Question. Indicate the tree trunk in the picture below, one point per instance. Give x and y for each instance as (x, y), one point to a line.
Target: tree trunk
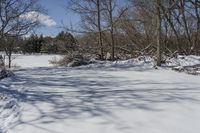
(158, 35)
(112, 29)
(99, 29)
(9, 57)
(9, 61)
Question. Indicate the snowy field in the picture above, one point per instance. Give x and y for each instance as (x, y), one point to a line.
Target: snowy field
(122, 97)
(30, 61)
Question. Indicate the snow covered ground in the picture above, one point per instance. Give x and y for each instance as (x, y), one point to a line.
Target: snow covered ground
(30, 61)
(121, 97)
(183, 61)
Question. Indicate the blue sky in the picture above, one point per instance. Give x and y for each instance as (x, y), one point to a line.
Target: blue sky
(56, 10)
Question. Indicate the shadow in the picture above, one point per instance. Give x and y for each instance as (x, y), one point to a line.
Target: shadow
(72, 93)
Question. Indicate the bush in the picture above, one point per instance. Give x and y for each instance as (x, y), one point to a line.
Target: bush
(72, 60)
(5, 73)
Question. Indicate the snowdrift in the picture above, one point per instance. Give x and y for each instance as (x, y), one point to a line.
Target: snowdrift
(140, 62)
(183, 61)
(188, 64)
(5, 73)
(9, 111)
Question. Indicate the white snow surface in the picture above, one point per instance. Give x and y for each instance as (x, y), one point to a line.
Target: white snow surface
(182, 61)
(9, 110)
(120, 97)
(31, 61)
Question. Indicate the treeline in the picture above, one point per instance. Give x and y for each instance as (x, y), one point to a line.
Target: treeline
(63, 43)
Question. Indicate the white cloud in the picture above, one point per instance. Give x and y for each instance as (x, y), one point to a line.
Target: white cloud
(41, 18)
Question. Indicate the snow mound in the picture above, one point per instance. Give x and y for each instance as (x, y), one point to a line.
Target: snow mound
(184, 61)
(140, 62)
(5, 73)
(188, 64)
(9, 111)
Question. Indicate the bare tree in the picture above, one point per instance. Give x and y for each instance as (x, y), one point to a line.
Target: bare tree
(11, 43)
(90, 13)
(182, 17)
(112, 15)
(174, 23)
(99, 27)
(109, 8)
(13, 23)
(196, 6)
(138, 24)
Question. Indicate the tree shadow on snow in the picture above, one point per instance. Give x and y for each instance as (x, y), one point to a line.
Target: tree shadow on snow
(80, 93)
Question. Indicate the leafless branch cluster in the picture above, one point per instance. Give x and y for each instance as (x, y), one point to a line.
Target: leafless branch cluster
(140, 27)
(12, 23)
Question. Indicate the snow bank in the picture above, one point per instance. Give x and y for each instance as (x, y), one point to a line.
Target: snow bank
(183, 61)
(146, 62)
(140, 62)
(5, 73)
(188, 64)
(9, 111)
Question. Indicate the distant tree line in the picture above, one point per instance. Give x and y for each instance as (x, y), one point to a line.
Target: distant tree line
(63, 43)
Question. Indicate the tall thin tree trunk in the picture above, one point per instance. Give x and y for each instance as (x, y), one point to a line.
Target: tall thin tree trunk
(99, 29)
(112, 29)
(158, 35)
(9, 61)
(182, 9)
(9, 55)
